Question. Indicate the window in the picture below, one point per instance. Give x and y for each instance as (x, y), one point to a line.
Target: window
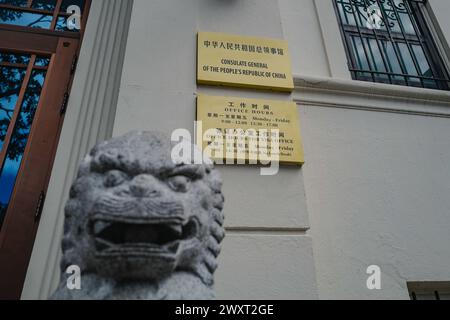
(429, 290)
(18, 73)
(388, 41)
(38, 55)
(39, 14)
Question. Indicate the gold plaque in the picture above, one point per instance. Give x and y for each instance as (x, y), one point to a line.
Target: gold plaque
(231, 60)
(268, 121)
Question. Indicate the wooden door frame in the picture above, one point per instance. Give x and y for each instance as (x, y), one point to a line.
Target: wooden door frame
(21, 221)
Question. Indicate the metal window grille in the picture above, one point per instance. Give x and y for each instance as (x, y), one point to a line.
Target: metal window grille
(388, 41)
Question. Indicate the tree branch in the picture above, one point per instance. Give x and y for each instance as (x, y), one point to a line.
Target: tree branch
(9, 92)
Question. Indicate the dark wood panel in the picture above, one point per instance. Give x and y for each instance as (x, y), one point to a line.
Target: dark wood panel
(18, 41)
(20, 225)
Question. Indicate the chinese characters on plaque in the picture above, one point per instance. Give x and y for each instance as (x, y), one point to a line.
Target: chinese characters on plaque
(258, 121)
(231, 60)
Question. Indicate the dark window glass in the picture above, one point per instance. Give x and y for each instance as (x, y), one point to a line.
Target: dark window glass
(42, 62)
(16, 3)
(14, 58)
(388, 41)
(10, 84)
(25, 19)
(49, 5)
(67, 3)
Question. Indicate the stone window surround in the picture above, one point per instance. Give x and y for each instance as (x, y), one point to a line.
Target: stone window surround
(341, 91)
(333, 41)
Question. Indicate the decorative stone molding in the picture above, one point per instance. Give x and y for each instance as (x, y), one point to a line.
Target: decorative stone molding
(369, 96)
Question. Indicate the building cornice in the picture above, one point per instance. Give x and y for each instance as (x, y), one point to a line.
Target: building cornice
(352, 94)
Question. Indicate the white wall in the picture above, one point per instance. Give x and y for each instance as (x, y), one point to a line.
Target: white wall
(267, 250)
(375, 186)
(378, 188)
(377, 178)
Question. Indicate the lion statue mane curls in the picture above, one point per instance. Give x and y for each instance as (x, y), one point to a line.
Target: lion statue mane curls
(140, 226)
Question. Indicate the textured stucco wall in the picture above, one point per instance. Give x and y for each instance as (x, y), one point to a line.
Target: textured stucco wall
(377, 186)
(377, 179)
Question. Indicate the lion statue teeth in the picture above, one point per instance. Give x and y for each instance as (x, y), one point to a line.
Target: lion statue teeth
(140, 226)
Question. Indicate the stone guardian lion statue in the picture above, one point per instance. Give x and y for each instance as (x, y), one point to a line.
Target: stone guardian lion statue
(140, 226)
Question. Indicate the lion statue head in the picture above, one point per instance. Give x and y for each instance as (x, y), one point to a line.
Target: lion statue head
(140, 226)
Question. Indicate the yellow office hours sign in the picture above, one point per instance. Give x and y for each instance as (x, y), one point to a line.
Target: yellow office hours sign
(252, 130)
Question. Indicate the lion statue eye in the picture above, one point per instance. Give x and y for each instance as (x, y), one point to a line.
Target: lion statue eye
(115, 178)
(179, 183)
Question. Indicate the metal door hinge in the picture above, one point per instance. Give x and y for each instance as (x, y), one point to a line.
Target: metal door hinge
(40, 206)
(74, 64)
(64, 103)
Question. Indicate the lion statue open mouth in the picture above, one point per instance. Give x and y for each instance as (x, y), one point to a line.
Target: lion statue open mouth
(140, 226)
